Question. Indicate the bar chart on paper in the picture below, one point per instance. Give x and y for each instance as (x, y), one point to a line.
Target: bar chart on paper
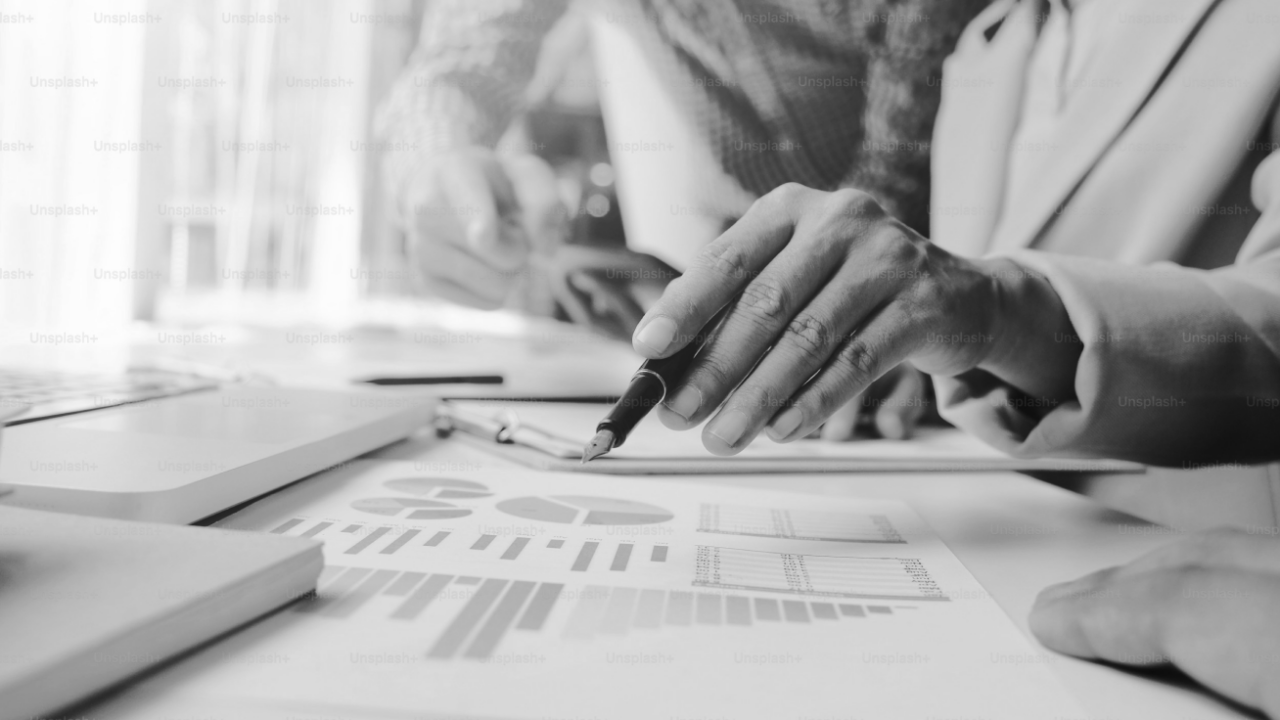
(457, 584)
(472, 613)
(577, 556)
(730, 588)
(486, 609)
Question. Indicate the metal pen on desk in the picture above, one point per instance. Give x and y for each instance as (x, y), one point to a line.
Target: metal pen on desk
(648, 387)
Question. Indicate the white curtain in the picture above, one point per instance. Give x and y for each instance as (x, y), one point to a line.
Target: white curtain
(70, 87)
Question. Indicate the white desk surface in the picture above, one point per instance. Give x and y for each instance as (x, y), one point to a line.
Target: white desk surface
(1014, 533)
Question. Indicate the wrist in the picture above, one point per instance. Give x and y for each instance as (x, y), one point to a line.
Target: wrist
(1034, 346)
(1005, 286)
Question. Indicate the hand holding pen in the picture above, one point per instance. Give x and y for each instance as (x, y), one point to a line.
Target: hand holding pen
(822, 294)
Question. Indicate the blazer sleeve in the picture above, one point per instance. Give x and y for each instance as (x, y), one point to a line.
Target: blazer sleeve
(1179, 366)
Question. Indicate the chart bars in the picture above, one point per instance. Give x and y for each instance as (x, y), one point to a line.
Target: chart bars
(621, 557)
(367, 540)
(852, 610)
(794, 611)
(287, 525)
(513, 550)
(583, 560)
(335, 589)
(362, 593)
(404, 584)
(399, 542)
(535, 616)
(617, 614)
(649, 609)
(413, 606)
(457, 631)
(491, 608)
(824, 611)
(767, 610)
(316, 529)
(500, 620)
(708, 612)
(680, 608)
(389, 540)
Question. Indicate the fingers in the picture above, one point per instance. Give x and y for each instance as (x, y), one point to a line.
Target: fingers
(479, 195)
(466, 230)
(841, 426)
(895, 403)
(807, 269)
(900, 411)
(777, 314)
(1222, 548)
(786, 324)
(721, 271)
(805, 345)
(1095, 617)
(456, 275)
(883, 342)
(542, 213)
(1217, 625)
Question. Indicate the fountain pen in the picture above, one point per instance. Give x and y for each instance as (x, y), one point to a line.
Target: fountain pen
(648, 388)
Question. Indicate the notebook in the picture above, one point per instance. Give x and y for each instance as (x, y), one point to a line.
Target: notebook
(88, 602)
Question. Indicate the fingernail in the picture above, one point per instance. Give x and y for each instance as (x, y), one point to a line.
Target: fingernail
(891, 426)
(686, 402)
(729, 427)
(786, 424)
(656, 335)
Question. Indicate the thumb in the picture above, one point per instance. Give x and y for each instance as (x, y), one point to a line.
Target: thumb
(479, 196)
(542, 213)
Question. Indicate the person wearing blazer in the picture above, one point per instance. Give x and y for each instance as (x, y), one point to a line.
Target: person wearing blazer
(1103, 281)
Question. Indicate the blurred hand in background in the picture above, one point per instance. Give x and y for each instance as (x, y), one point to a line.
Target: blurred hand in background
(475, 219)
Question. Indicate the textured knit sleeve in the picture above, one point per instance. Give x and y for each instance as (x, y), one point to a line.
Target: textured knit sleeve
(465, 82)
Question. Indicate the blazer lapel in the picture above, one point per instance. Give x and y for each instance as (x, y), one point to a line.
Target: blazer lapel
(1148, 37)
(982, 85)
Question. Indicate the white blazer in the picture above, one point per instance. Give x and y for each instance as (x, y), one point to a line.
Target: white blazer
(1155, 214)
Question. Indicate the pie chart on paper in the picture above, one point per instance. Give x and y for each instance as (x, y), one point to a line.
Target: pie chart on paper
(439, 487)
(410, 508)
(584, 510)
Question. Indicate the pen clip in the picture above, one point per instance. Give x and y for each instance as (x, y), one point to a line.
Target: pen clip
(508, 425)
(450, 418)
(505, 429)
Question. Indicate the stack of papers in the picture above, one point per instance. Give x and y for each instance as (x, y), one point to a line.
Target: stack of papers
(522, 594)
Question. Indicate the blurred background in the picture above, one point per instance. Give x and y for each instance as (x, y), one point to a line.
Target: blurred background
(216, 160)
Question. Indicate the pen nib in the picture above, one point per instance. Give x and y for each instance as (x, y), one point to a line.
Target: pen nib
(599, 445)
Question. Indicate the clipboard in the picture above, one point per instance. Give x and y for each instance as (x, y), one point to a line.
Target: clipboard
(520, 431)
